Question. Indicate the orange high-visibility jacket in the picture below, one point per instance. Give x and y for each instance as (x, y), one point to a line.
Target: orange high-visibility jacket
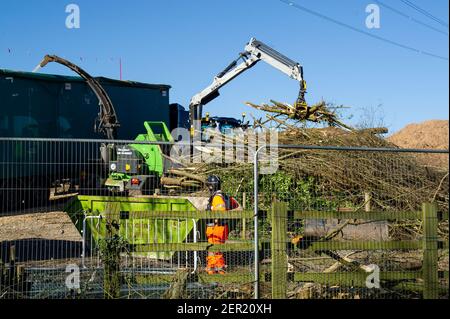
(218, 234)
(220, 202)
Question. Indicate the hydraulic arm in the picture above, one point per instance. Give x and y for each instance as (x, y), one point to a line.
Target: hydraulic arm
(107, 122)
(255, 51)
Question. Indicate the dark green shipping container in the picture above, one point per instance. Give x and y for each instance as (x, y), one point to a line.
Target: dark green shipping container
(55, 106)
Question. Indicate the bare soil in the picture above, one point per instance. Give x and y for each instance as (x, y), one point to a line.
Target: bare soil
(55, 225)
(432, 134)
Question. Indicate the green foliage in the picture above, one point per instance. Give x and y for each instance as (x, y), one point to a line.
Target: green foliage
(111, 248)
(235, 183)
(299, 193)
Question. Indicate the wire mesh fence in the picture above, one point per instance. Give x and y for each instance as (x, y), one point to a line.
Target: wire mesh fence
(95, 219)
(353, 224)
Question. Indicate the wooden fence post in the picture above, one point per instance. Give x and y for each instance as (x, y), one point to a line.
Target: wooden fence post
(430, 251)
(278, 247)
(12, 255)
(367, 200)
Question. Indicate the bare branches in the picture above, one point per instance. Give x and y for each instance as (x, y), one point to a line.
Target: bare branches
(317, 113)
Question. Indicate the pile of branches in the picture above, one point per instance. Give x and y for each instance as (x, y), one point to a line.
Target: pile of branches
(282, 113)
(396, 181)
(185, 178)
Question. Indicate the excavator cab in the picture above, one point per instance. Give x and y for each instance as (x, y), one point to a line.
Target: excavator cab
(221, 125)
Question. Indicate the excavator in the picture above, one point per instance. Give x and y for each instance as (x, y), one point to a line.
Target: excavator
(254, 52)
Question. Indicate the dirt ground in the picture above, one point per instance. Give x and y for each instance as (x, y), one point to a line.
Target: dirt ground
(431, 134)
(55, 225)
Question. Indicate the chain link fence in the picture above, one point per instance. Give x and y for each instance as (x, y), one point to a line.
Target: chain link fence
(91, 219)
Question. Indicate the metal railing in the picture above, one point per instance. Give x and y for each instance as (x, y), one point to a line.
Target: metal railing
(344, 207)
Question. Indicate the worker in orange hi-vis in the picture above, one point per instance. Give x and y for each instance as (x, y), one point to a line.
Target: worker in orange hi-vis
(217, 233)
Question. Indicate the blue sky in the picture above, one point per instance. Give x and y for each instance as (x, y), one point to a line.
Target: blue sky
(185, 43)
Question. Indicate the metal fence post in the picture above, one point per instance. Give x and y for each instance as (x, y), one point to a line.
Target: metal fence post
(255, 222)
(83, 243)
(244, 221)
(430, 251)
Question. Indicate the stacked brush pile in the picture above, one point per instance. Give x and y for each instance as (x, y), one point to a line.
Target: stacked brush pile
(395, 181)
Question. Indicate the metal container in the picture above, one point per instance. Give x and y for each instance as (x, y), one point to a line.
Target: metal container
(137, 224)
(55, 106)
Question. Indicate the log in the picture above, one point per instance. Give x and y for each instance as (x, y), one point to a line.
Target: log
(345, 261)
(170, 181)
(201, 179)
(376, 230)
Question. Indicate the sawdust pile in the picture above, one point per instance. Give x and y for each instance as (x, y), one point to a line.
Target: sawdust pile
(431, 134)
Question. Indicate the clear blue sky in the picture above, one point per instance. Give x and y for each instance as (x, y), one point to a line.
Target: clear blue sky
(185, 43)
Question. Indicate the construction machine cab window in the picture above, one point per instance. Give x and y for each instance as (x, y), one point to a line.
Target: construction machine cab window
(220, 125)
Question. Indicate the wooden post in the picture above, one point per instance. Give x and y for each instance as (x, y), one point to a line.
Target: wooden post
(278, 247)
(20, 270)
(430, 251)
(367, 199)
(2, 272)
(244, 221)
(12, 255)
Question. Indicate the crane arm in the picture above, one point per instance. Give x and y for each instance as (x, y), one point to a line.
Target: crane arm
(255, 51)
(212, 91)
(107, 118)
(275, 59)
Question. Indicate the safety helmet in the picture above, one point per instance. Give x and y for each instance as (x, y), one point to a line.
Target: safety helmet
(213, 183)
